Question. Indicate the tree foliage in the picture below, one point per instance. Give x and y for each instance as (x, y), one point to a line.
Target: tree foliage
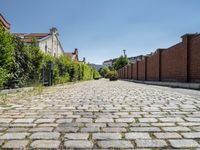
(103, 71)
(121, 62)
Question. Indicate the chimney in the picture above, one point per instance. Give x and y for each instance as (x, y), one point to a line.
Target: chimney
(53, 30)
(84, 60)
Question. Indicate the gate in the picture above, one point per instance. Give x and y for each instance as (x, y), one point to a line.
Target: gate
(47, 74)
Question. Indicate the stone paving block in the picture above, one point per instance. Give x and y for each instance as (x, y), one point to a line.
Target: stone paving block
(191, 135)
(104, 136)
(4, 120)
(183, 143)
(29, 125)
(148, 120)
(77, 136)
(90, 130)
(48, 125)
(14, 136)
(17, 129)
(125, 120)
(64, 120)
(78, 144)
(44, 120)
(104, 120)
(85, 120)
(45, 144)
(41, 129)
(16, 144)
(115, 130)
(145, 129)
(168, 135)
(166, 124)
(95, 125)
(115, 144)
(118, 124)
(175, 129)
(150, 143)
(26, 120)
(192, 119)
(67, 129)
(45, 135)
(171, 119)
(137, 135)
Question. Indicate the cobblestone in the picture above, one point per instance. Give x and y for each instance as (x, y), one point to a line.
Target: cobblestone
(103, 115)
(115, 144)
(78, 144)
(47, 144)
(184, 143)
(151, 143)
(16, 144)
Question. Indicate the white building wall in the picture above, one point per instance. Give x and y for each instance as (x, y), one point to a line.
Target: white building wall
(51, 45)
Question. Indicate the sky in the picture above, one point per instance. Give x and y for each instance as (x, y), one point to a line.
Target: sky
(101, 29)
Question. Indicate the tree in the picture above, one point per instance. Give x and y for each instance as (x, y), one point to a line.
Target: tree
(103, 71)
(121, 62)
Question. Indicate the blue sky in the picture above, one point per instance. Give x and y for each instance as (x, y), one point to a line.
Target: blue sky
(101, 29)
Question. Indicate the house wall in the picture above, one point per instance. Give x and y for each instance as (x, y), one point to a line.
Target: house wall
(51, 45)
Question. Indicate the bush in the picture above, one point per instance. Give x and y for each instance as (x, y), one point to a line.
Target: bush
(104, 71)
(112, 75)
(4, 76)
(96, 75)
(22, 64)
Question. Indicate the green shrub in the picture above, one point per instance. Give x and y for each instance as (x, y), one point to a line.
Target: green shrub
(103, 71)
(4, 76)
(96, 74)
(112, 75)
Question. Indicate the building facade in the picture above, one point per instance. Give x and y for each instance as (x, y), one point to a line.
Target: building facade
(72, 55)
(4, 23)
(110, 62)
(47, 42)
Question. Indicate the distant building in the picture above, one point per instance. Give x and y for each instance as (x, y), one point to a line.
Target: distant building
(47, 42)
(72, 55)
(110, 62)
(4, 23)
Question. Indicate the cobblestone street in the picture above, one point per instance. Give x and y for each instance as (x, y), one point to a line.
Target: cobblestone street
(103, 114)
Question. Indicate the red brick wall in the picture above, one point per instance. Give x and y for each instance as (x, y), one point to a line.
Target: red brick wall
(125, 69)
(129, 71)
(194, 59)
(134, 71)
(173, 64)
(153, 67)
(141, 70)
(180, 62)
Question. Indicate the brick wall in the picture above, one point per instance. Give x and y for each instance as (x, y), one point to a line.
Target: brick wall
(134, 71)
(179, 63)
(173, 63)
(141, 70)
(194, 68)
(129, 71)
(153, 66)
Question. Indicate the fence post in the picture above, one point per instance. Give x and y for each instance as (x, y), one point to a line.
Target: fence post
(145, 68)
(137, 70)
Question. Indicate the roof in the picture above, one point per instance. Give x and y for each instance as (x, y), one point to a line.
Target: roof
(4, 22)
(28, 37)
(69, 54)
